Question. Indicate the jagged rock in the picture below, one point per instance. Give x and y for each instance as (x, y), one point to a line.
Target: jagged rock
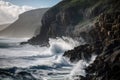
(81, 52)
(105, 67)
(106, 34)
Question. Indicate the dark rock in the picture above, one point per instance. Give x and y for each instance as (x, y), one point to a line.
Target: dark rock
(67, 18)
(107, 64)
(105, 68)
(81, 52)
(107, 46)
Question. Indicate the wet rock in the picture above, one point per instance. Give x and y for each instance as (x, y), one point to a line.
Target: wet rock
(106, 34)
(105, 67)
(80, 52)
(107, 64)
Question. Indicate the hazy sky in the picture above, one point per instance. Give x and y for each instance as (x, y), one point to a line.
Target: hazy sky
(35, 3)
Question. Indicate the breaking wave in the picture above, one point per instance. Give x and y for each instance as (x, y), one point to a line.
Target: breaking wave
(27, 62)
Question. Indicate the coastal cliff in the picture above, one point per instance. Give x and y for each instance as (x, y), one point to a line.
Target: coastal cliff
(73, 18)
(106, 46)
(98, 22)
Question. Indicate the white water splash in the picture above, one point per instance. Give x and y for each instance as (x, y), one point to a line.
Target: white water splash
(79, 68)
(28, 55)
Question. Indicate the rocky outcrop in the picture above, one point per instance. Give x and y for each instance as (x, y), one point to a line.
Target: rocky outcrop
(69, 16)
(107, 65)
(106, 34)
(83, 52)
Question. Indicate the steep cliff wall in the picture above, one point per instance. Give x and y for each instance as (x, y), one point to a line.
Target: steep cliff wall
(70, 17)
(107, 64)
(106, 31)
(106, 34)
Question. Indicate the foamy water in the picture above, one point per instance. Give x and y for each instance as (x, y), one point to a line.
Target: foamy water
(44, 63)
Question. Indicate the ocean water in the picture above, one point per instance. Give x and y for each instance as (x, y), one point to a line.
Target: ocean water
(27, 62)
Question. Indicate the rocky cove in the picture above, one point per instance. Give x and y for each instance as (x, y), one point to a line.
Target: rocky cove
(98, 22)
(72, 18)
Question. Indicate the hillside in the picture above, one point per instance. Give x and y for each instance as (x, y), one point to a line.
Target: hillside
(26, 25)
(10, 12)
(3, 26)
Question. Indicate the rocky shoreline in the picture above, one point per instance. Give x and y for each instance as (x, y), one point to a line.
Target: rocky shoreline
(107, 64)
(69, 17)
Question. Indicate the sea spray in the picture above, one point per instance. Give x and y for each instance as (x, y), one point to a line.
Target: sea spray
(43, 62)
(28, 55)
(60, 45)
(79, 68)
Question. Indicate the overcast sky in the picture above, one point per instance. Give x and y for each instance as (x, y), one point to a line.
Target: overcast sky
(34, 3)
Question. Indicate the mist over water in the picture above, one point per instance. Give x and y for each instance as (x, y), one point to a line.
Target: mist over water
(43, 63)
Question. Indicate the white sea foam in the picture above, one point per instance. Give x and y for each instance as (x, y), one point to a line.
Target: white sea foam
(46, 57)
(28, 55)
(79, 68)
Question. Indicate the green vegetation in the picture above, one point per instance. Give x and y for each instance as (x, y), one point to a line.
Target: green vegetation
(80, 3)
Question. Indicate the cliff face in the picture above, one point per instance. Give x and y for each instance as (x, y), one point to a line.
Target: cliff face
(69, 16)
(107, 64)
(107, 47)
(106, 30)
